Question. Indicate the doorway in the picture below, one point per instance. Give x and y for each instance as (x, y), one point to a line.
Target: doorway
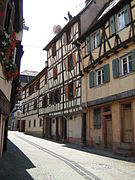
(127, 123)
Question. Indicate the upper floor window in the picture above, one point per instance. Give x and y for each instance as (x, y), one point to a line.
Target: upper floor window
(57, 96)
(55, 72)
(46, 78)
(100, 76)
(28, 108)
(70, 63)
(29, 123)
(51, 97)
(35, 104)
(124, 65)
(95, 39)
(44, 101)
(54, 49)
(120, 20)
(69, 36)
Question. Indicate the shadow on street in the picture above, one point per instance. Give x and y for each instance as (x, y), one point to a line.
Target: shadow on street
(15, 164)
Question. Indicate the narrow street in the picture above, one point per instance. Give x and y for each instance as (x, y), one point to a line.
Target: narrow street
(34, 158)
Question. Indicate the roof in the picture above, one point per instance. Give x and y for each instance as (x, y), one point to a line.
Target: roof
(36, 77)
(29, 73)
(67, 26)
(109, 8)
(111, 5)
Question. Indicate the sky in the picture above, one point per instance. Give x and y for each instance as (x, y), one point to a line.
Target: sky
(40, 16)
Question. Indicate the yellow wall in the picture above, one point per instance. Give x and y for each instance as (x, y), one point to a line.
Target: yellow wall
(115, 86)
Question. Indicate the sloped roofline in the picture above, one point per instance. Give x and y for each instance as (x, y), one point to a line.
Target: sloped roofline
(67, 26)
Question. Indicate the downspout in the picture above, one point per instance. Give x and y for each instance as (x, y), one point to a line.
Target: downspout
(64, 120)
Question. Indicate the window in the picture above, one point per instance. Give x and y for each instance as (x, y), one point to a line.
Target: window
(51, 98)
(23, 109)
(122, 18)
(35, 104)
(97, 118)
(28, 108)
(100, 76)
(70, 92)
(126, 63)
(40, 123)
(8, 17)
(29, 124)
(46, 77)
(25, 93)
(34, 122)
(69, 36)
(54, 49)
(57, 96)
(95, 39)
(70, 63)
(31, 90)
(55, 72)
(44, 101)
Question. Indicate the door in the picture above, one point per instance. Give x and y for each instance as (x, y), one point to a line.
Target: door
(109, 134)
(127, 124)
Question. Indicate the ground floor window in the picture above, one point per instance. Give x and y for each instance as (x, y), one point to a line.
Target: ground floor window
(97, 118)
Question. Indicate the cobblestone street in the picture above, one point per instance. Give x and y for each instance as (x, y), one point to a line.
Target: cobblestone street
(34, 158)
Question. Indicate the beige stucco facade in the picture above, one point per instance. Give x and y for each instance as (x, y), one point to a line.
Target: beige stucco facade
(115, 100)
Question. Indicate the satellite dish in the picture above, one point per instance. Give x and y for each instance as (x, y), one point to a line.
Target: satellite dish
(18, 113)
(57, 29)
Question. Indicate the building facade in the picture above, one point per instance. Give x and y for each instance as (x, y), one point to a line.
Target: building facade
(108, 68)
(15, 118)
(11, 52)
(30, 121)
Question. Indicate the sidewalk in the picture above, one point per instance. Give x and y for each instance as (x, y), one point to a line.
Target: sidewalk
(15, 164)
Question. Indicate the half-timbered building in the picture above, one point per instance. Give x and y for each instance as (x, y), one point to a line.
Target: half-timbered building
(65, 116)
(107, 55)
(30, 107)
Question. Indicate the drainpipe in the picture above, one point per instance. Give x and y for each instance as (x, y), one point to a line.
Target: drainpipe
(64, 120)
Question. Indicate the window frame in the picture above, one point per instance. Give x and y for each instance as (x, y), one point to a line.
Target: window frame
(128, 61)
(117, 20)
(70, 63)
(101, 76)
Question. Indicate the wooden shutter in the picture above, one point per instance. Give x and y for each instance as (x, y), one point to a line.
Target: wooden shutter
(66, 64)
(88, 44)
(64, 39)
(66, 91)
(115, 66)
(43, 102)
(74, 59)
(106, 73)
(133, 59)
(98, 37)
(74, 88)
(91, 79)
(126, 14)
(54, 49)
(112, 25)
